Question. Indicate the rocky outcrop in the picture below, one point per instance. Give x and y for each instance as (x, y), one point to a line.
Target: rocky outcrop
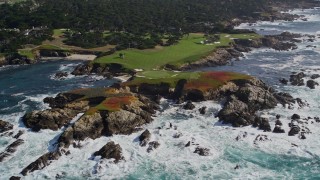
(110, 151)
(133, 111)
(53, 53)
(152, 146)
(144, 138)
(312, 84)
(219, 57)
(108, 70)
(203, 110)
(315, 76)
(41, 162)
(297, 79)
(16, 59)
(5, 126)
(61, 75)
(245, 98)
(202, 151)
(189, 106)
(54, 118)
(12, 148)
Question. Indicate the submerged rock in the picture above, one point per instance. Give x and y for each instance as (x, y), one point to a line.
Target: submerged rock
(312, 84)
(202, 151)
(315, 76)
(189, 106)
(295, 117)
(15, 178)
(110, 151)
(153, 145)
(283, 81)
(203, 110)
(297, 79)
(60, 75)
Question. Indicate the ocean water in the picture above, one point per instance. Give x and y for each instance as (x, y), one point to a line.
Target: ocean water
(277, 157)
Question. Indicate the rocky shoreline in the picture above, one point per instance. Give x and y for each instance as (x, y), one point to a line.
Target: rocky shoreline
(124, 108)
(128, 107)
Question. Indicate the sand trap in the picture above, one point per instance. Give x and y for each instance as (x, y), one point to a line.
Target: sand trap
(85, 57)
(123, 78)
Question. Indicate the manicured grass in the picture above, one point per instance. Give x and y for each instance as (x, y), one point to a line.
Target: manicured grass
(27, 52)
(189, 49)
(51, 47)
(58, 32)
(157, 77)
(195, 80)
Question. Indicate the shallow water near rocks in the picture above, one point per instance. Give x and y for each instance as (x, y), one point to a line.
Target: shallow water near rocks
(277, 157)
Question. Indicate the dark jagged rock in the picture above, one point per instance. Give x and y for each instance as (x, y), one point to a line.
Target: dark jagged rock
(283, 81)
(263, 124)
(110, 151)
(10, 149)
(236, 113)
(315, 76)
(297, 79)
(178, 90)
(53, 53)
(177, 135)
(295, 117)
(49, 119)
(17, 136)
(5, 126)
(41, 162)
(203, 110)
(202, 151)
(153, 145)
(144, 138)
(278, 129)
(303, 136)
(294, 130)
(16, 59)
(162, 89)
(60, 75)
(61, 100)
(260, 138)
(106, 70)
(189, 106)
(188, 144)
(15, 178)
(278, 122)
(312, 84)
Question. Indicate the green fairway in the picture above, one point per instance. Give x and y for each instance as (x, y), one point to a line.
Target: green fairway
(27, 52)
(189, 49)
(195, 80)
(58, 32)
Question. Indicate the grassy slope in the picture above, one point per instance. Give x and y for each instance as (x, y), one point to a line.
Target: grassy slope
(195, 80)
(187, 50)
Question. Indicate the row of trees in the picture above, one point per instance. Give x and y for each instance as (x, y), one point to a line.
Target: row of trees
(90, 18)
